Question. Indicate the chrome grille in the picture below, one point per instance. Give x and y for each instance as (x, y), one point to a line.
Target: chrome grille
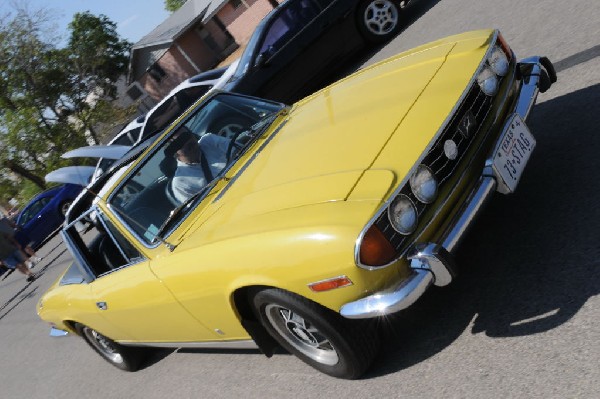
(474, 108)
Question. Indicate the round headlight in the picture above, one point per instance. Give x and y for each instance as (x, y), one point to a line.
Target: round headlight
(423, 184)
(488, 81)
(403, 215)
(498, 61)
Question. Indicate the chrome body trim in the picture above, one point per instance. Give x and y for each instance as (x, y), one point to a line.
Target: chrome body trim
(431, 263)
(394, 299)
(244, 344)
(433, 258)
(477, 199)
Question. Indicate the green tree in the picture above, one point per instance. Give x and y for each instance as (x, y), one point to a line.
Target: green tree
(53, 99)
(97, 58)
(173, 5)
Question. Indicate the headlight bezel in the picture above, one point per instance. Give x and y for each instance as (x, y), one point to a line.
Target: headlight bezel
(488, 81)
(421, 171)
(498, 61)
(393, 212)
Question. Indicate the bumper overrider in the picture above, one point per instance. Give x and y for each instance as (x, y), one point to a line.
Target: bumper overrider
(432, 263)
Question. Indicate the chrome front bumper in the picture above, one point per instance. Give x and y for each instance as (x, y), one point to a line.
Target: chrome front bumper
(432, 263)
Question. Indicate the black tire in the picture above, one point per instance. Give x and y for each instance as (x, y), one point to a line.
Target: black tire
(378, 20)
(124, 358)
(323, 339)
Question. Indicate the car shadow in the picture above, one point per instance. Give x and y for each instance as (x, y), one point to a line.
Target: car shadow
(27, 292)
(249, 351)
(156, 355)
(531, 260)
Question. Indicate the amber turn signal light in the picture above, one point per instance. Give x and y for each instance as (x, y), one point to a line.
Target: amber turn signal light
(330, 284)
(375, 249)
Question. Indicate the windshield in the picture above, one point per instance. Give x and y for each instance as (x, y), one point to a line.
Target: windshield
(195, 155)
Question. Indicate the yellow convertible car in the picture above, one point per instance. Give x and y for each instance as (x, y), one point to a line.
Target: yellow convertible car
(253, 222)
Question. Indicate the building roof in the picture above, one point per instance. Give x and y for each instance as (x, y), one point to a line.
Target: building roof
(151, 47)
(171, 28)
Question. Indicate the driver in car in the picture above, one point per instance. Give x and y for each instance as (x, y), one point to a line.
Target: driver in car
(198, 162)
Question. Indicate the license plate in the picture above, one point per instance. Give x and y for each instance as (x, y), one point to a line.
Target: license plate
(516, 145)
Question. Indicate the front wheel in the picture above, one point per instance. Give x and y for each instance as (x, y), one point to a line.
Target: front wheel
(318, 336)
(124, 358)
(378, 20)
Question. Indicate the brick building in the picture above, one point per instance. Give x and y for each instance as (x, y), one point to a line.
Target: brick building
(195, 38)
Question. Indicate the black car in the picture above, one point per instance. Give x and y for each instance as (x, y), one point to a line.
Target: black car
(297, 46)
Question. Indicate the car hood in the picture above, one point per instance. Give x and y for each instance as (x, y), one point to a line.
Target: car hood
(79, 175)
(112, 151)
(329, 139)
(336, 144)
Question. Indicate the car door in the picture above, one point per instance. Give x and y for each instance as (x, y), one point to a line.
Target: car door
(203, 286)
(134, 304)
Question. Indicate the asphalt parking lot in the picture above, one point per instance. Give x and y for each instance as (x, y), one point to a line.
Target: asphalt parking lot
(523, 319)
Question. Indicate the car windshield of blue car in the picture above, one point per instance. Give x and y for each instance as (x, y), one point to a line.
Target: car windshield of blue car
(183, 167)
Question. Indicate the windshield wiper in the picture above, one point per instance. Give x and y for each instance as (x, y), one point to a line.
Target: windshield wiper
(260, 126)
(176, 212)
(249, 136)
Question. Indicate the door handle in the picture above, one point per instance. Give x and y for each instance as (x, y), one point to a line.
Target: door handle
(102, 305)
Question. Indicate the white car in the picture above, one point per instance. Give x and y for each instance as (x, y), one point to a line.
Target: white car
(143, 127)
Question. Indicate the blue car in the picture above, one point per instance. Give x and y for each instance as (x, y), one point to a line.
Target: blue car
(44, 214)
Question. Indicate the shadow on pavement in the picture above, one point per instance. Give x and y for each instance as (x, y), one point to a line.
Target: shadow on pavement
(532, 259)
(27, 291)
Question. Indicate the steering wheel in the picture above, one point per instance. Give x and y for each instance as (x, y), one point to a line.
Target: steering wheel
(235, 146)
(229, 126)
(129, 192)
(230, 130)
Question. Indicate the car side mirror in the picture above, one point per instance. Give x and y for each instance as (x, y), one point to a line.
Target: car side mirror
(261, 61)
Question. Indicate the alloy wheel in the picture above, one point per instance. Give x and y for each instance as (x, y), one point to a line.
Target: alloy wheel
(104, 345)
(301, 334)
(381, 17)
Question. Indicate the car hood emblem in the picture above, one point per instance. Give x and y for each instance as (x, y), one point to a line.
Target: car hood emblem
(467, 124)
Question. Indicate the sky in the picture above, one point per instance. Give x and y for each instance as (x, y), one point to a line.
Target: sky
(134, 18)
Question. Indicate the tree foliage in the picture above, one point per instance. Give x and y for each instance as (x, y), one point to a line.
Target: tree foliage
(173, 5)
(97, 56)
(49, 96)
